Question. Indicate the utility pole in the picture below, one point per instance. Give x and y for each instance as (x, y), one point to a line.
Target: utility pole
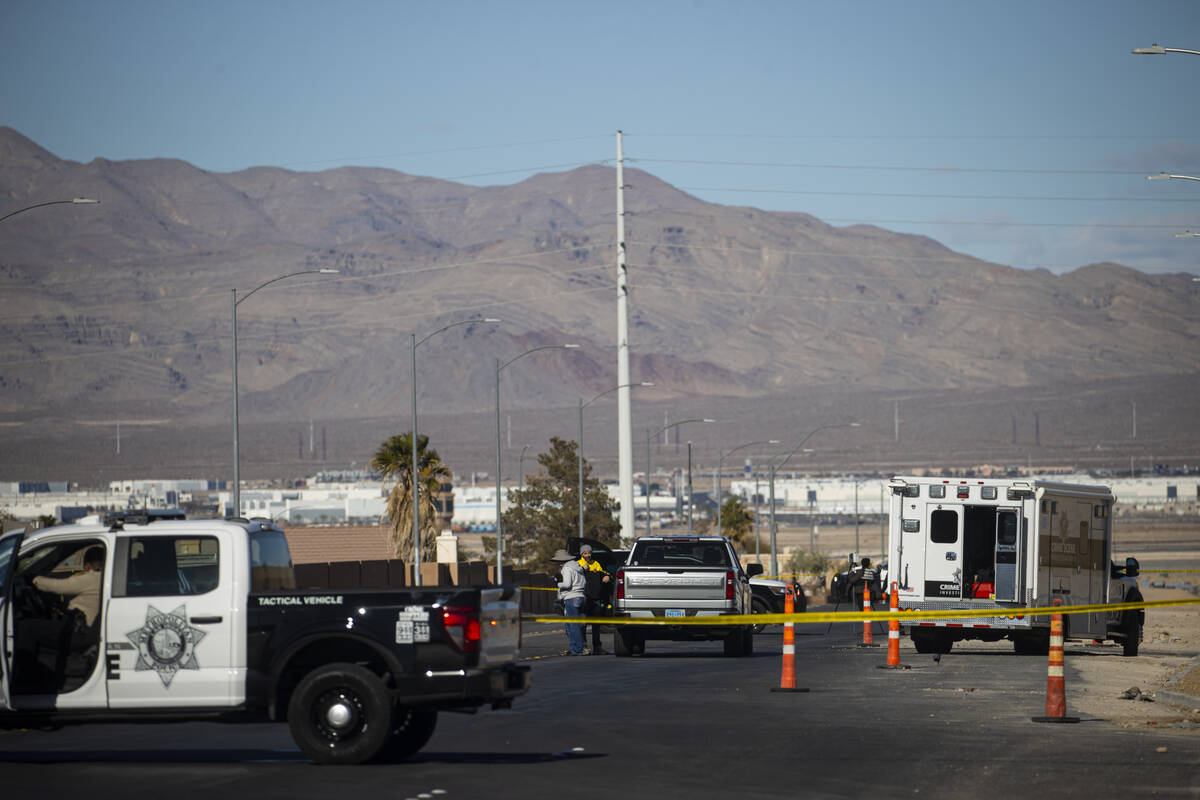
(624, 415)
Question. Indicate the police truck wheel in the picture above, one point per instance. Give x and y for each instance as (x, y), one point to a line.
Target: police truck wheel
(410, 731)
(340, 714)
(735, 644)
(759, 606)
(1129, 624)
(623, 644)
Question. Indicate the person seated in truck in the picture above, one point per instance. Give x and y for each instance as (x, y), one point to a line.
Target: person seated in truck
(81, 590)
(73, 636)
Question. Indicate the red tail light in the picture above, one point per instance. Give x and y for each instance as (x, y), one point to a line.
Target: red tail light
(462, 627)
(620, 584)
(728, 585)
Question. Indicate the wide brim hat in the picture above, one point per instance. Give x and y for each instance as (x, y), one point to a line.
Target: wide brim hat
(562, 555)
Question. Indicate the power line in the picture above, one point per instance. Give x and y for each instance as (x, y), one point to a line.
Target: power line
(944, 170)
(744, 213)
(473, 148)
(944, 196)
(930, 137)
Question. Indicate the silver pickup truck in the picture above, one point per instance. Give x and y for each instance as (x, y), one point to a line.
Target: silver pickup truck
(683, 576)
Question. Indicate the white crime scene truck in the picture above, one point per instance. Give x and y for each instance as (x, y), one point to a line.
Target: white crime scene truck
(1009, 545)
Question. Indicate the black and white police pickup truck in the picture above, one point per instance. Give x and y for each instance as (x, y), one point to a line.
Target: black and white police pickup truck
(139, 620)
(683, 576)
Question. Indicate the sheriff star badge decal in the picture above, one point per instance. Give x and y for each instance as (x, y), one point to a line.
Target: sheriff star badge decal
(166, 643)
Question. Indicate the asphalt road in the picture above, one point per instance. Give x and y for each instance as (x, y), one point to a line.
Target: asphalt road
(681, 721)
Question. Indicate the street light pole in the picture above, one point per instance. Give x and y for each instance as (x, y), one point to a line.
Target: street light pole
(234, 303)
(689, 487)
(579, 448)
(649, 436)
(416, 467)
(499, 520)
(720, 467)
(75, 201)
(774, 467)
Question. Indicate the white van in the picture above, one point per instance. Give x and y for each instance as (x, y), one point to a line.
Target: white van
(1007, 544)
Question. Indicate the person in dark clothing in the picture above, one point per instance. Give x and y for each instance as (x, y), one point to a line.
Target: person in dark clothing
(596, 592)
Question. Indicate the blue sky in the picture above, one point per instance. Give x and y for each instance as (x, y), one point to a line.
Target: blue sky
(1017, 131)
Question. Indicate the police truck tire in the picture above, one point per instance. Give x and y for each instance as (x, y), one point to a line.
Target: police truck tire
(735, 644)
(411, 730)
(340, 714)
(759, 606)
(1129, 624)
(622, 643)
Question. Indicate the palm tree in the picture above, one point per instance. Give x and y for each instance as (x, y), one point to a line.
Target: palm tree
(393, 460)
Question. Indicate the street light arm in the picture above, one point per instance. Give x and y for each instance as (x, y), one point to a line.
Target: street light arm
(536, 349)
(721, 458)
(1156, 50)
(74, 200)
(812, 433)
(677, 424)
(1162, 176)
(615, 388)
(453, 325)
(322, 271)
(721, 470)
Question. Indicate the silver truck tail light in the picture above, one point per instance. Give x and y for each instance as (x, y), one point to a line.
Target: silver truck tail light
(620, 584)
(462, 627)
(728, 585)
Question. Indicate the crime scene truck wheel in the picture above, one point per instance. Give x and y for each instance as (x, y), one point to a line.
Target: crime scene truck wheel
(411, 729)
(340, 714)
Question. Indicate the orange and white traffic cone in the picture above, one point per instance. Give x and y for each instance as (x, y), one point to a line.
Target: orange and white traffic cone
(787, 680)
(867, 640)
(893, 657)
(1056, 698)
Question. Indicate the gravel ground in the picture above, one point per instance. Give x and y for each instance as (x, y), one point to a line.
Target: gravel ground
(1099, 676)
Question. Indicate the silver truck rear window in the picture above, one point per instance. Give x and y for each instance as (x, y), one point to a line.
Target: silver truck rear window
(679, 554)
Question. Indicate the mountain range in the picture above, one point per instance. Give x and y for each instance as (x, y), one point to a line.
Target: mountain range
(123, 310)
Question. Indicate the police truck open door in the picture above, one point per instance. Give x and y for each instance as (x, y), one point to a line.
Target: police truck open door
(9, 545)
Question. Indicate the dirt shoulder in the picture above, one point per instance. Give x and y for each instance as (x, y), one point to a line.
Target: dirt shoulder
(1100, 675)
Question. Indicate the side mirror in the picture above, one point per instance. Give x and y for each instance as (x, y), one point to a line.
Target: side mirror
(1132, 568)
(754, 569)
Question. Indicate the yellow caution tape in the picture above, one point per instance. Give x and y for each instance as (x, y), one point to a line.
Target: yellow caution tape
(1148, 571)
(865, 616)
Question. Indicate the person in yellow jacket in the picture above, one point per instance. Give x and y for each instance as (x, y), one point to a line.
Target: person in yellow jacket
(587, 561)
